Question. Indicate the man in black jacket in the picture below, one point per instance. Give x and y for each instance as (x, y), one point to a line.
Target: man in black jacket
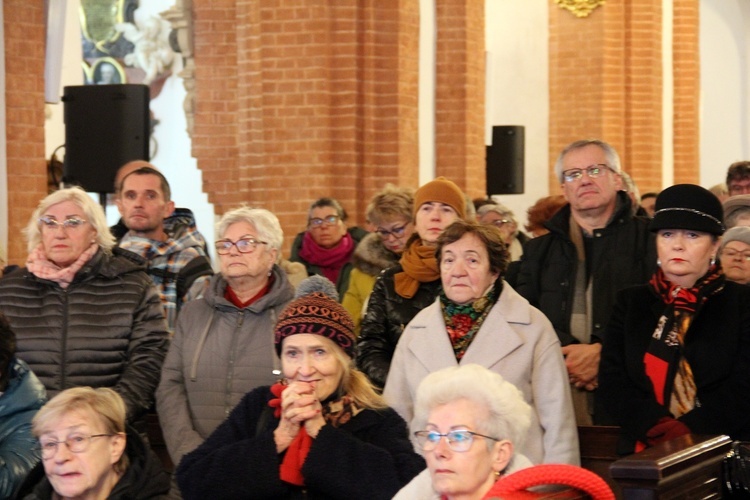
(594, 248)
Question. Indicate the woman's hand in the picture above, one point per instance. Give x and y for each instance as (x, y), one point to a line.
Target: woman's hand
(299, 406)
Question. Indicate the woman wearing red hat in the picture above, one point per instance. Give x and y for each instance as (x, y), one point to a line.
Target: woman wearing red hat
(322, 432)
(676, 356)
(402, 291)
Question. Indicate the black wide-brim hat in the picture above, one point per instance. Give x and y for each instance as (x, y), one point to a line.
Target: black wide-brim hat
(687, 206)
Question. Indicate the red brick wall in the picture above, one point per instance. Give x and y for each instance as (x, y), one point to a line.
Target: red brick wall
(686, 68)
(24, 34)
(459, 100)
(605, 82)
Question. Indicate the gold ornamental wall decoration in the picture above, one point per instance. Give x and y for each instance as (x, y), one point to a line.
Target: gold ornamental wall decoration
(580, 8)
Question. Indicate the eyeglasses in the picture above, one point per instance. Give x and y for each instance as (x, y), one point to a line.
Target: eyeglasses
(326, 221)
(396, 232)
(500, 222)
(76, 443)
(458, 440)
(51, 223)
(733, 254)
(244, 245)
(593, 171)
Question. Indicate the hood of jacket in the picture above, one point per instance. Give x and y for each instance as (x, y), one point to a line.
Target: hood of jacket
(280, 293)
(24, 391)
(371, 256)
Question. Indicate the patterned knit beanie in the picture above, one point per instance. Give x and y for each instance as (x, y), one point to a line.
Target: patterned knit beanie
(316, 311)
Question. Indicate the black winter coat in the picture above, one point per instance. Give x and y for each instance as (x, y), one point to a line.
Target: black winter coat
(717, 346)
(387, 315)
(624, 254)
(369, 457)
(106, 329)
(144, 479)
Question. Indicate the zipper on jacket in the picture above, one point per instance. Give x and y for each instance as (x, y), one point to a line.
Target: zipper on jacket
(230, 371)
(64, 357)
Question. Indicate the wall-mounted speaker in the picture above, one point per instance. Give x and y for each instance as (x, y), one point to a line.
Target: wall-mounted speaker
(106, 126)
(505, 160)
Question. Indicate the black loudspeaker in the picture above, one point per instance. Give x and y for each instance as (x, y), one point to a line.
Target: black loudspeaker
(505, 163)
(106, 126)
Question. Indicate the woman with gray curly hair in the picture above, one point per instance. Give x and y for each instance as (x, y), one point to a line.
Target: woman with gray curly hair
(223, 342)
(84, 312)
(484, 420)
(503, 219)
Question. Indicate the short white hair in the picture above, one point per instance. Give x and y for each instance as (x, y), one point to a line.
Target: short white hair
(92, 211)
(265, 223)
(509, 415)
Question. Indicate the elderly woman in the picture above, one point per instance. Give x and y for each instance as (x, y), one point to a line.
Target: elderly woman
(82, 311)
(734, 254)
(484, 420)
(322, 432)
(478, 318)
(327, 246)
(390, 211)
(676, 354)
(502, 218)
(88, 452)
(402, 291)
(223, 344)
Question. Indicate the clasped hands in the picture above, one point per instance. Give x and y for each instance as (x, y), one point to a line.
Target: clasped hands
(299, 407)
(582, 362)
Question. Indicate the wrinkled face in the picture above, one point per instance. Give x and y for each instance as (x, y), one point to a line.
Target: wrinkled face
(504, 223)
(326, 231)
(87, 474)
(465, 269)
(306, 357)
(395, 233)
(735, 260)
(468, 474)
(142, 205)
(63, 245)
(431, 219)
(587, 193)
(254, 264)
(685, 255)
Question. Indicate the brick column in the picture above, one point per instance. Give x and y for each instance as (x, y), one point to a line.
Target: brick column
(459, 120)
(686, 67)
(24, 33)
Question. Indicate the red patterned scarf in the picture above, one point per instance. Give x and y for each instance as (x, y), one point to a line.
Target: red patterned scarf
(665, 363)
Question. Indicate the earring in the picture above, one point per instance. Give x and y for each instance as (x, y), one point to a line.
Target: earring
(269, 273)
(713, 260)
(658, 262)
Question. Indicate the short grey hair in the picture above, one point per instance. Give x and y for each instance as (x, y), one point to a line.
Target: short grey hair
(265, 223)
(738, 233)
(509, 414)
(498, 208)
(613, 159)
(92, 211)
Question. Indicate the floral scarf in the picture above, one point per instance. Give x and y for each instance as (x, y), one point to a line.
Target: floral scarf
(666, 366)
(420, 266)
(40, 266)
(337, 411)
(463, 321)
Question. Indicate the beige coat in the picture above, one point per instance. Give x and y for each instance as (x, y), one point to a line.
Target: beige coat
(517, 341)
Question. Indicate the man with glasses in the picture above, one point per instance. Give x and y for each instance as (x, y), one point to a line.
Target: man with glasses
(738, 178)
(595, 247)
(169, 241)
(326, 247)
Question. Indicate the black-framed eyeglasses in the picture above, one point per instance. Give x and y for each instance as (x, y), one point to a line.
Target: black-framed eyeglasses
(593, 171)
(76, 443)
(244, 245)
(396, 232)
(51, 223)
(325, 221)
(733, 254)
(458, 440)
